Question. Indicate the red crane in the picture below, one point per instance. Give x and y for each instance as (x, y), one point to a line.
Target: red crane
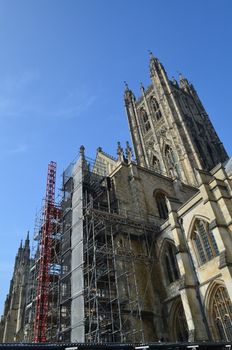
(42, 295)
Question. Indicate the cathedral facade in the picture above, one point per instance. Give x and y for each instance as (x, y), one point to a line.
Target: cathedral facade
(146, 248)
(160, 261)
(173, 136)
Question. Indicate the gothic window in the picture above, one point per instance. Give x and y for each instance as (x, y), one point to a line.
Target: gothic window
(204, 241)
(156, 164)
(180, 327)
(145, 120)
(222, 313)
(156, 108)
(161, 205)
(170, 263)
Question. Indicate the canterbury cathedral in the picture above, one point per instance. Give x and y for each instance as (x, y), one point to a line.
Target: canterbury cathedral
(145, 253)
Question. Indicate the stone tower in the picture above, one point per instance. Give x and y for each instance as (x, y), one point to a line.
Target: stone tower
(171, 131)
(12, 321)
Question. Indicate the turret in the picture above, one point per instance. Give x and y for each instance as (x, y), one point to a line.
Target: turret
(135, 126)
(27, 247)
(27, 241)
(120, 153)
(158, 76)
(128, 94)
(129, 153)
(184, 84)
(155, 65)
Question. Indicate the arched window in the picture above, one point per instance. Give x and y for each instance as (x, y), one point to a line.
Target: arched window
(221, 313)
(204, 241)
(161, 205)
(155, 108)
(170, 263)
(156, 164)
(146, 123)
(180, 327)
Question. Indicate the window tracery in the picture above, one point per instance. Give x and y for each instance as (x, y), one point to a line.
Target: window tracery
(155, 108)
(180, 324)
(145, 120)
(222, 313)
(204, 241)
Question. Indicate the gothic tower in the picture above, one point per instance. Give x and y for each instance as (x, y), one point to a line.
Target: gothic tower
(171, 131)
(12, 321)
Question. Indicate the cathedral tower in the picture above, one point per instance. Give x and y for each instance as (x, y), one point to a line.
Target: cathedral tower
(12, 321)
(171, 131)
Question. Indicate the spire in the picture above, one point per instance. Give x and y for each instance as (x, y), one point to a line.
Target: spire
(82, 151)
(142, 88)
(129, 153)
(154, 64)
(181, 76)
(174, 81)
(128, 94)
(85, 164)
(27, 241)
(126, 86)
(18, 256)
(151, 55)
(183, 81)
(120, 153)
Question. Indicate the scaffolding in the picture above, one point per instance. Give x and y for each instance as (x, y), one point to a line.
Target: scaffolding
(65, 277)
(42, 309)
(105, 252)
(99, 264)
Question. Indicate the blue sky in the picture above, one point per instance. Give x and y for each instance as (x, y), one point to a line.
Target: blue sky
(62, 67)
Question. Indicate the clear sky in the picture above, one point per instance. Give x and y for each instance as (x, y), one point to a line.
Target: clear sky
(62, 67)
